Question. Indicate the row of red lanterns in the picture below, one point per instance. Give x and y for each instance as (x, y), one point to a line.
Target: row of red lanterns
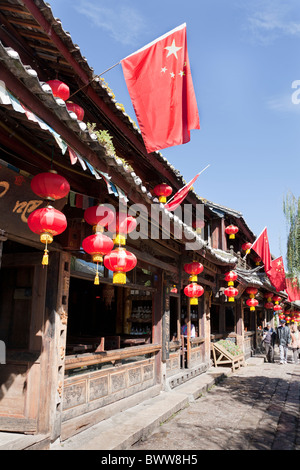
(49, 222)
(62, 91)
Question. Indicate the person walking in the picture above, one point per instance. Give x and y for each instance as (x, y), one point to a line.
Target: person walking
(284, 339)
(269, 337)
(295, 342)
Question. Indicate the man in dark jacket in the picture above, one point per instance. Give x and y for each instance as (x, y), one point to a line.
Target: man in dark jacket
(284, 339)
(269, 337)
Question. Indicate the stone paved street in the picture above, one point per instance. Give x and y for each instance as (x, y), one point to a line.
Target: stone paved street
(255, 408)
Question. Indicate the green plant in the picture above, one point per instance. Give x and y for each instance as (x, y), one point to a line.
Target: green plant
(231, 347)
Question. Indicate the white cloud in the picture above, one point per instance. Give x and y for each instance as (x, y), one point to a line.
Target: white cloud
(268, 20)
(283, 103)
(122, 22)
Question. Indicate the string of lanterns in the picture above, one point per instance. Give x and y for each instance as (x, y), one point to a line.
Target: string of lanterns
(48, 221)
(193, 290)
(252, 302)
(231, 292)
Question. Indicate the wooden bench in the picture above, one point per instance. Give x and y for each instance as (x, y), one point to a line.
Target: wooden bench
(222, 357)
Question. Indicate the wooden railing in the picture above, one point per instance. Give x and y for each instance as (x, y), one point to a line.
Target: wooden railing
(84, 360)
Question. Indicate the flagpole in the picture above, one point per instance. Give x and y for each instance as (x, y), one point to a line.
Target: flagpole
(94, 78)
(185, 185)
(255, 241)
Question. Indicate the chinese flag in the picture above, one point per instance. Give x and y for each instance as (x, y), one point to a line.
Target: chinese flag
(292, 289)
(180, 195)
(262, 248)
(160, 86)
(277, 274)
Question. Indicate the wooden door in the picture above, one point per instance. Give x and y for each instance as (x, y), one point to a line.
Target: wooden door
(22, 301)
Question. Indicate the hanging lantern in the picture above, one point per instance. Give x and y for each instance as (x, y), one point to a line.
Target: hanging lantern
(124, 224)
(276, 299)
(277, 308)
(97, 246)
(198, 225)
(269, 296)
(231, 230)
(59, 89)
(163, 191)
(75, 108)
(193, 269)
(50, 185)
(99, 217)
(193, 291)
(230, 277)
(281, 316)
(257, 260)
(269, 305)
(252, 303)
(120, 262)
(47, 223)
(247, 247)
(252, 291)
(231, 293)
(288, 319)
(173, 290)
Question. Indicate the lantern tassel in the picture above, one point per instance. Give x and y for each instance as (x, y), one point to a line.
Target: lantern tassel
(96, 280)
(45, 260)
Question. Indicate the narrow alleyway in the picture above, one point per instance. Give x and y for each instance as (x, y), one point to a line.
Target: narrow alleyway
(256, 408)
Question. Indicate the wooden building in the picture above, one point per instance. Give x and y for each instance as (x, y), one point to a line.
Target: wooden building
(77, 352)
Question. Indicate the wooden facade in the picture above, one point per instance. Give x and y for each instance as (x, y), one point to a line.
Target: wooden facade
(77, 353)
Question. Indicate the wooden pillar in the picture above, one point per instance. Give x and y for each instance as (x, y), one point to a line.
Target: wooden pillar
(2, 239)
(206, 323)
(188, 343)
(166, 323)
(54, 343)
(127, 311)
(157, 322)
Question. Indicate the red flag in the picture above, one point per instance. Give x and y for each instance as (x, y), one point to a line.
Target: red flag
(160, 86)
(262, 248)
(180, 195)
(292, 289)
(277, 274)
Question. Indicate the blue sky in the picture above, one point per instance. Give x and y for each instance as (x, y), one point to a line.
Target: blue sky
(244, 58)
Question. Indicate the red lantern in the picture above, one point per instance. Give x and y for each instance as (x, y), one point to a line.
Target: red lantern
(124, 224)
(288, 319)
(277, 308)
(193, 269)
(97, 246)
(269, 305)
(120, 262)
(47, 223)
(252, 303)
(281, 317)
(269, 296)
(231, 230)
(99, 216)
(198, 225)
(247, 247)
(193, 291)
(230, 277)
(75, 108)
(50, 185)
(173, 290)
(59, 89)
(257, 260)
(276, 299)
(231, 293)
(252, 291)
(162, 191)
